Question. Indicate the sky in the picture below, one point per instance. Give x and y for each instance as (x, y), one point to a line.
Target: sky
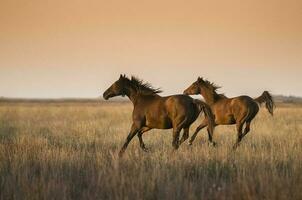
(78, 48)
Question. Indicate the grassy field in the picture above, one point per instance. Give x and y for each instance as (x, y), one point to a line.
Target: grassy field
(69, 151)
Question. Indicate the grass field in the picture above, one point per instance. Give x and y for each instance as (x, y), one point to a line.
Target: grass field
(69, 151)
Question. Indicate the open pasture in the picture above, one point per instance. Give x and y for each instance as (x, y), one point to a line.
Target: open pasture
(69, 151)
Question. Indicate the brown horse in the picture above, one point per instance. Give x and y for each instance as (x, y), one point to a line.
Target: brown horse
(238, 110)
(153, 111)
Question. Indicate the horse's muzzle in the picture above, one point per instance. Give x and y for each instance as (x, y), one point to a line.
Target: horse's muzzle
(106, 96)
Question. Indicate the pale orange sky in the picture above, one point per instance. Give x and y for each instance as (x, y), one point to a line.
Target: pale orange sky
(78, 48)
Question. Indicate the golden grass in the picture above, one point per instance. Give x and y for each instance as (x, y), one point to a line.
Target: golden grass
(69, 151)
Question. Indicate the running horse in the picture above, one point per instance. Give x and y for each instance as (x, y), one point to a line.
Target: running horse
(152, 111)
(238, 110)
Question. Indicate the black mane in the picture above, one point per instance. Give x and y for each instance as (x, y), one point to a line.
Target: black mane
(212, 86)
(141, 87)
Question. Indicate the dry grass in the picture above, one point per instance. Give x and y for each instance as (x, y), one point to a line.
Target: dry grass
(69, 151)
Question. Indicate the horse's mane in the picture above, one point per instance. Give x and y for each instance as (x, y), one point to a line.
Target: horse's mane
(142, 87)
(212, 86)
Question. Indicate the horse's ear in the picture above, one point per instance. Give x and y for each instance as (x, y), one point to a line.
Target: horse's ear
(122, 76)
(199, 79)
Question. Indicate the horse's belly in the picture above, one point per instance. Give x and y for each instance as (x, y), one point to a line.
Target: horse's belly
(225, 120)
(159, 123)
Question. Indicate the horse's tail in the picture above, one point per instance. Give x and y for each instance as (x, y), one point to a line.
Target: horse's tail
(208, 114)
(269, 102)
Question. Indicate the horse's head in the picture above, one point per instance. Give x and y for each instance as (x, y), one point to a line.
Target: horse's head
(194, 88)
(116, 89)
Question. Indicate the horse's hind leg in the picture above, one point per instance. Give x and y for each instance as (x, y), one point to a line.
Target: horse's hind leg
(201, 126)
(239, 127)
(246, 129)
(175, 142)
(139, 135)
(132, 133)
(185, 135)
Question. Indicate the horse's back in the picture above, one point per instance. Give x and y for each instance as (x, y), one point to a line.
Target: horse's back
(245, 101)
(181, 107)
(179, 102)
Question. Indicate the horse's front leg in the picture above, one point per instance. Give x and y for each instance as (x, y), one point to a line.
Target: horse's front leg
(139, 135)
(134, 130)
(210, 135)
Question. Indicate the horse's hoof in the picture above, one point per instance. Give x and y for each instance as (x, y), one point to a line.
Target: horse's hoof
(120, 154)
(212, 144)
(235, 147)
(145, 149)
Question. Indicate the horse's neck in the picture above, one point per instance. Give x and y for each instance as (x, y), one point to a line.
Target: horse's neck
(210, 97)
(132, 94)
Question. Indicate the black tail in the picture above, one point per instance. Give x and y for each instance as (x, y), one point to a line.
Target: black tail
(208, 114)
(269, 102)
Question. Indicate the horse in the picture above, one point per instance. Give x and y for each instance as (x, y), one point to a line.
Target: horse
(152, 111)
(238, 110)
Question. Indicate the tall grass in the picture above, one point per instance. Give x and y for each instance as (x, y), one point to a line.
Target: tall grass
(69, 151)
